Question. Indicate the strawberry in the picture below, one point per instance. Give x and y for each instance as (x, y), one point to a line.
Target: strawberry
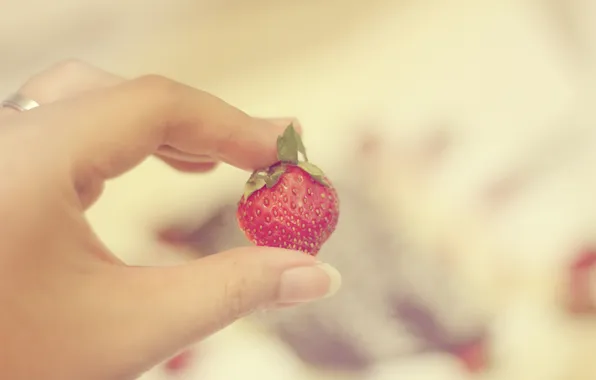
(290, 204)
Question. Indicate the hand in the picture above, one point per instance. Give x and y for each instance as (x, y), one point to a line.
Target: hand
(71, 309)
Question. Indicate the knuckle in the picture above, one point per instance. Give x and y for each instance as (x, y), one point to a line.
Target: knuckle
(244, 293)
(236, 301)
(71, 65)
(161, 91)
(158, 84)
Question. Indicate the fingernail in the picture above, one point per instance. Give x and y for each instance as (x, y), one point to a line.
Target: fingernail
(308, 283)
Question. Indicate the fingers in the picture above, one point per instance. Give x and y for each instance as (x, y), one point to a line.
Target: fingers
(64, 80)
(106, 132)
(71, 78)
(190, 167)
(161, 310)
(67, 79)
(139, 116)
(74, 78)
(198, 163)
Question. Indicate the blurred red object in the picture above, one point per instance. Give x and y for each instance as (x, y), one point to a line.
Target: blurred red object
(474, 356)
(180, 362)
(581, 300)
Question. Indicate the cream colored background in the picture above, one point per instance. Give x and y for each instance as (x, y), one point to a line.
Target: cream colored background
(505, 76)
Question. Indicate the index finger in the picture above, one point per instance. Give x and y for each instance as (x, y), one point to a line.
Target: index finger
(109, 131)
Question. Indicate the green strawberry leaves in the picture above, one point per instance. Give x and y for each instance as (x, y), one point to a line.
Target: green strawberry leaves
(254, 183)
(315, 172)
(289, 146)
(274, 177)
(262, 178)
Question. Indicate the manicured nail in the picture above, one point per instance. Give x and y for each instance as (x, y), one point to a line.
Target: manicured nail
(308, 283)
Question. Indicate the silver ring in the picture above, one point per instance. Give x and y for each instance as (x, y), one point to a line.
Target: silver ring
(18, 102)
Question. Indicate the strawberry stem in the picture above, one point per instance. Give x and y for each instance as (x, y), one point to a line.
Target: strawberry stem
(289, 144)
(289, 147)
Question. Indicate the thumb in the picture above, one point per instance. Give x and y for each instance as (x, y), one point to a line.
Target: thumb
(162, 310)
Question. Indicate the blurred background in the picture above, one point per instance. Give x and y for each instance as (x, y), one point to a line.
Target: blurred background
(460, 135)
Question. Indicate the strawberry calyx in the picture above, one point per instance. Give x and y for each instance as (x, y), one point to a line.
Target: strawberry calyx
(289, 149)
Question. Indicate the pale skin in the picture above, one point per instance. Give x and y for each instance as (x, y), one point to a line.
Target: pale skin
(70, 308)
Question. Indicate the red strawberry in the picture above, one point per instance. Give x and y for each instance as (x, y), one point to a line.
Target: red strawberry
(290, 204)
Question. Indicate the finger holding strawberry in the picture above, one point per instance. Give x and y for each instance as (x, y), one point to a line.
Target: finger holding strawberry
(290, 204)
